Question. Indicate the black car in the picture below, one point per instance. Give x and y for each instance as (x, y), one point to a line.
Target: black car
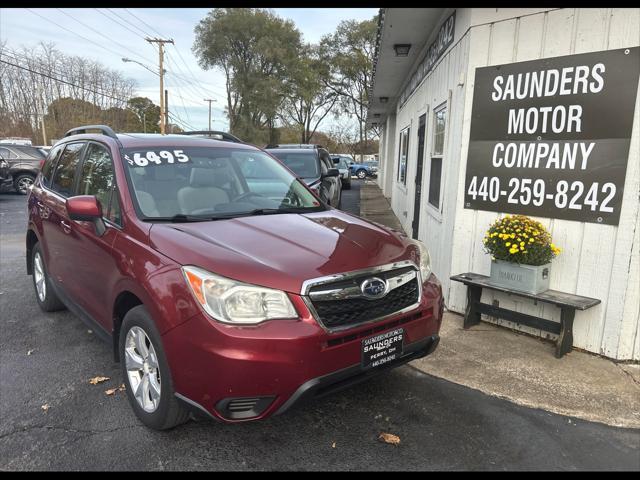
(4, 171)
(24, 165)
(314, 165)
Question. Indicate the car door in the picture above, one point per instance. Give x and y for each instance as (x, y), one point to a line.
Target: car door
(94, 277)
(56, 225)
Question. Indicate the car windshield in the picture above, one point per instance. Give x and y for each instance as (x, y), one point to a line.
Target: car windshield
(200, 183)
(303, 164)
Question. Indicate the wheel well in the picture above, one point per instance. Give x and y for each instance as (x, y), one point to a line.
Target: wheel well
(32, 239)
(125, 302)
(23, 172)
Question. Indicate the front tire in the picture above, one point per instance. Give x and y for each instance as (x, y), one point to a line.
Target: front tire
(22, 183)
(361, 174)
(146, 372)
(46, 297)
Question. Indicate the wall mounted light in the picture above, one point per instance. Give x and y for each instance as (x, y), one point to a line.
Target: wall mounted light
(402, 49)
(384, 99)
(377, 115)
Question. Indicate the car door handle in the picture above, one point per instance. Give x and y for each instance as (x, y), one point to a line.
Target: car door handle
(65, 226)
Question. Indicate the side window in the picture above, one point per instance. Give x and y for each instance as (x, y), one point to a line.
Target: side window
(98, 179)
(404, 155)
(435, 171)
(65, 172)
(49, 164)
(7, 154)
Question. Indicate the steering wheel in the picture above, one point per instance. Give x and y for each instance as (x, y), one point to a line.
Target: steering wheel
(246, 195)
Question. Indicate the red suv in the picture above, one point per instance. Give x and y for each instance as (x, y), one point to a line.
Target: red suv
(223, 283)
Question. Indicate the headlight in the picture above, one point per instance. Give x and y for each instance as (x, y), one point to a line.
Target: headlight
(425, 260)
(235, 302)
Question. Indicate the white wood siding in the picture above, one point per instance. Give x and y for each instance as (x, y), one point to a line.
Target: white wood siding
(598, 261)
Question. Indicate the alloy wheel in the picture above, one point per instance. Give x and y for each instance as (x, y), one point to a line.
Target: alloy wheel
(143, 370)
(24, 184)
(40, 280)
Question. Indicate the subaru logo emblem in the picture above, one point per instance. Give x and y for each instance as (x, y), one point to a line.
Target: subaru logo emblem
(374, 288)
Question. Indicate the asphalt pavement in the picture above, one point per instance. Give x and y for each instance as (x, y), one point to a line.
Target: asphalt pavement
(48, 360)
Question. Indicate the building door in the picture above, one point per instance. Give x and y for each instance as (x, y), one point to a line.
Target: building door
(419, 163)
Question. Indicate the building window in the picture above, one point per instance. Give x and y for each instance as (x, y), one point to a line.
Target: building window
(435, 173)
(404, 154)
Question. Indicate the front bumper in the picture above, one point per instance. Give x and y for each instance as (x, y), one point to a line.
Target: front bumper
(268, 368)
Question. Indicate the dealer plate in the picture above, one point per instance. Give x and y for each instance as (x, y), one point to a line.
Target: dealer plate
(383, 348)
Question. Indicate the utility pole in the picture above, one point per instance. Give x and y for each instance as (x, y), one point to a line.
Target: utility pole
(166, 108)
(144, 121)
(161, 42)
(210, 100)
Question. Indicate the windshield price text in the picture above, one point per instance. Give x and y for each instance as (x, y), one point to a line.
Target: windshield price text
(574, 195)
(163, 156)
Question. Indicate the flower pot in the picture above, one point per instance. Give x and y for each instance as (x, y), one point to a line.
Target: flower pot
(524, 278)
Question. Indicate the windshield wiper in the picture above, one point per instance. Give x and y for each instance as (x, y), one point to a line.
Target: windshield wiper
(179, 218)
(264, 211)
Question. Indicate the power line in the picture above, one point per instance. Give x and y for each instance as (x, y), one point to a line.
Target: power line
(74, 33)
(64, 81)
(13, 56)
(139, 19)
(136, 27)
(119, 23)
(103, 36)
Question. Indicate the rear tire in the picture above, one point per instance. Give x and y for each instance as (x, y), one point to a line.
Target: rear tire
(361, 174)
(22, 183)
(143, 360)
(46, 297)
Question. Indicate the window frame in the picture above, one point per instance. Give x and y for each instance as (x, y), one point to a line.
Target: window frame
(114, 186)
(74, 187)
(51, 159)
(406, 134)
(435, 155)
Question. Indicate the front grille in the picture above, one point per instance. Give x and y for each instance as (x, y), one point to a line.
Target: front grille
(353, 311)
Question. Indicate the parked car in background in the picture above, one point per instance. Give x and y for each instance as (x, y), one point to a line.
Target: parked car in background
(24, 165)
(313, 164)
(364, 170)
(342, 163)
(215, 298)
(44, 149)
(4, 172)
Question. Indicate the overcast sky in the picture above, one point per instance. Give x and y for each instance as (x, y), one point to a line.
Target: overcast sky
(110, 34)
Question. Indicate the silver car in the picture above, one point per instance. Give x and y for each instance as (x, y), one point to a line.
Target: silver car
(342, 164)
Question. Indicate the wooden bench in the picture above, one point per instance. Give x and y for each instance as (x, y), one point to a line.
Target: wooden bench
(567, 302)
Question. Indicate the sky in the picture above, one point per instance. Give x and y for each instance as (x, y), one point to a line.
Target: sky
(110, 34)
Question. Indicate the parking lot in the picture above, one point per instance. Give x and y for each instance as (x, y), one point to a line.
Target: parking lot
(51, 417)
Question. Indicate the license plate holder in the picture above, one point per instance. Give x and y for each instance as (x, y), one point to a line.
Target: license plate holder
(382, 348)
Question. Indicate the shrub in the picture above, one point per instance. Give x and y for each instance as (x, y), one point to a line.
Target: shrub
(519, 239)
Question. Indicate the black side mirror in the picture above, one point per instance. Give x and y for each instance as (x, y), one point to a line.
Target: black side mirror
(332, 172)
(336, 161)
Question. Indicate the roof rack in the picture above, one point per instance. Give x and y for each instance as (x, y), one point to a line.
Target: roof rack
(214, 133)
(105, 130)
(294, 145)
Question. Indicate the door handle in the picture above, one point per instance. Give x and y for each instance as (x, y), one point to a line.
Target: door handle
(65, 226)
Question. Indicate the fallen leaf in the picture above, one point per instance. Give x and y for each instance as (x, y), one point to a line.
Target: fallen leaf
(111, 391)
(45, 407)
(97, 380)
(334, 445)
(389, 438)
(121, 388)
(89, 331)
(29, 352)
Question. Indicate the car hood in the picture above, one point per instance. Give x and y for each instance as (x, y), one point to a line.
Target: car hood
(283, 250)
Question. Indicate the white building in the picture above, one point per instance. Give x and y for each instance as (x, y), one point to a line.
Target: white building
(455, 110)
